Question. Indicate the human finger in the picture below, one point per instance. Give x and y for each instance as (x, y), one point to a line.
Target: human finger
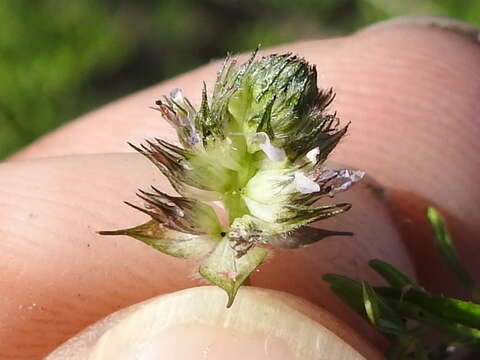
(60, 276)
(189, 324)
(410, 89)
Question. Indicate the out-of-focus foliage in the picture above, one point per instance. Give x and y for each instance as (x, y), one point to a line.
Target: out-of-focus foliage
(59, 59)
(50, 52)
(417, 324)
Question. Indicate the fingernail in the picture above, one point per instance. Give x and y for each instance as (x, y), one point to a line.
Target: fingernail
(444, 23)
(194, 324)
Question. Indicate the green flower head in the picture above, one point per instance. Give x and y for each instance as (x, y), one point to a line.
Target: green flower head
(256, 146)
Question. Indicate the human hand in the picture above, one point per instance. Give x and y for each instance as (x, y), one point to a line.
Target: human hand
(411, 93)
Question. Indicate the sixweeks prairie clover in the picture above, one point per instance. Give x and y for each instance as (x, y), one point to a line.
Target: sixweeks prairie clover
(256, 147)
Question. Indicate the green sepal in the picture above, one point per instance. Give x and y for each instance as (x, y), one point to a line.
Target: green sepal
(265, 124)
(286, 235)
(224, 269)
(182, 214)
(303, 236)
(168, 241)
(206, 166)
(446, 247)
(303, 215)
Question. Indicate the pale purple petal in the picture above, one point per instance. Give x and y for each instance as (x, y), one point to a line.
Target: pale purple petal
(345, 179)
(273, 153)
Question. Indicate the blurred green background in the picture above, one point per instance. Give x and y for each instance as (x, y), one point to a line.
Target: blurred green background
(59, 59)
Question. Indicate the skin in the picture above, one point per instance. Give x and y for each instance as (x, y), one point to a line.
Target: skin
(411, 92)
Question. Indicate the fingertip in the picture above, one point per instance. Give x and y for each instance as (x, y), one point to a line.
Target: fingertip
(189, 324)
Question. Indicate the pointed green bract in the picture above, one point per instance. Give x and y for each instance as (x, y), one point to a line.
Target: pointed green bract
(303, 236)
(170, 242)
(226, 270)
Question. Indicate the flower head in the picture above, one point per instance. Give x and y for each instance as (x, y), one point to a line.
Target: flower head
(257, 146)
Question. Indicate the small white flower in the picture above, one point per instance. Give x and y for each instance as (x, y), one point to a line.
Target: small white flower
(304, 184)
(273, 153)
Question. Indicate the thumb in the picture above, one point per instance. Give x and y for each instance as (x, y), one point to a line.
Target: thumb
(194, 324)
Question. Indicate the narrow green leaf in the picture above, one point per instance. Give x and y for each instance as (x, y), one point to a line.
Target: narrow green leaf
(350, 291)
(392, 275)
(227, 271)
(460, 332)
(456, 311)
(446, 247)
(380, 314)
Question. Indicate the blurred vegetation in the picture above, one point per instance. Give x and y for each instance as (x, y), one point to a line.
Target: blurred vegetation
(59, 59)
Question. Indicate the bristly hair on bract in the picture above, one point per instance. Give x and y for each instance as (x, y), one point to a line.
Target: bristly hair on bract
(257, 145)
